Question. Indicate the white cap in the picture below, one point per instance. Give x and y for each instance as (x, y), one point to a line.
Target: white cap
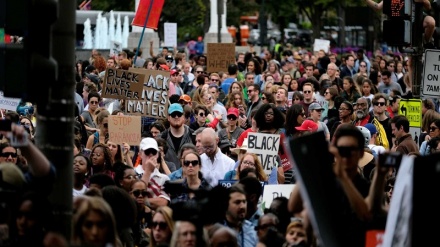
(147, 143)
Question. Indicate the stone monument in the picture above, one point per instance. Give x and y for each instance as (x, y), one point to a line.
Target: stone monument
(211, 36)
(149, 34)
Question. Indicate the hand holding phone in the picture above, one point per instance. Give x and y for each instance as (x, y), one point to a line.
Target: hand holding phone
(391, 159)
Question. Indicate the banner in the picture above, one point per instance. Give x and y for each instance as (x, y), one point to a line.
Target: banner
(220, 56)
(122, 84)
(124, 129)
(154, 99)
(142, 11)
(265, 146)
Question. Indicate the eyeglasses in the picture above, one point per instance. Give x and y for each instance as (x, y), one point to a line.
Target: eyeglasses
(363, 66)
(250, 91)
(201, 114)
(137, 193)
(432, 128)
(198, 72)
(25, 123)
(93, 102)
(232, 117)
(176, 114)
(191, 162)
(263, 98)
(307, 92)
(347, 151)
(169, 61)
(268, 114)
(150, 151)
(7, 154)
(215, 80)
(388, 188)
(162, 225)
(105, 125)
(130, 177)
(248, 163)
(343, 109)
(379, 104)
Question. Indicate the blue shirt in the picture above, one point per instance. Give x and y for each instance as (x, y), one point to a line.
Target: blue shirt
(176, 175)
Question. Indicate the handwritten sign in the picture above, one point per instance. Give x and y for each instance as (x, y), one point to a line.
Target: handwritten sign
(7, 103)
(154, 99)
(272, 191)
(220, 56)
(122, 84)
(124, 129)
(321, 44)
(170, 34)
(115, 48)
(227, 183)
(265, 146)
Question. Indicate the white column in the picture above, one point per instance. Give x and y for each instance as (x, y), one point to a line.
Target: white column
(224, 27)
(137, 29)
(213, 28)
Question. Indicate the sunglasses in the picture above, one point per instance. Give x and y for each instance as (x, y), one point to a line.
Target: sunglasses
(214, 80)
(176, 114)
(307, 92)
(93, 102)
(347, 151)
(201, 114)
(263, 98)
(191, 162)
(379, 103)
(7, 154)
(250, 91)
(388, 188)
(198, 72)
(137, 193)
(162, 225)
(432, 128)
(105, 125)
(150, 151)
(232, 117)
(25, 123)
(363, 66)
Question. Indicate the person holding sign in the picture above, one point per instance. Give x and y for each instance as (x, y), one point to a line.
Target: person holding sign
(249, 160)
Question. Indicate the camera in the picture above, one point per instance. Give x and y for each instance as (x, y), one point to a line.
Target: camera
(391, 159)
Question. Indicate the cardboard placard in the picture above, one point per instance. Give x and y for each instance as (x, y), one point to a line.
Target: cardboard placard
(154, 99)
(122, 84)
(7, 103)
(170, 34)
(115, 48)
(272, 191)
(220, 56)
(265, 146)
(321, 44)
(124, 129)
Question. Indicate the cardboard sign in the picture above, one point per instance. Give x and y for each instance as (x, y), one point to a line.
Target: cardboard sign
(265, 146)
(321, 44)
(142, 12)
(412, 110)
(170, 34)
(154, 99)
(272, 191)
(124, 129)
(122, 84)
(115, 48)
(10, 104)
(220, 56)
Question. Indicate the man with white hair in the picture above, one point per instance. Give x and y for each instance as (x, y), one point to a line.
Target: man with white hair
(215, 164)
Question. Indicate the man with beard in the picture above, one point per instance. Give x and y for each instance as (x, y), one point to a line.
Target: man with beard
(363, 117)
(178, 133)
(235, 217)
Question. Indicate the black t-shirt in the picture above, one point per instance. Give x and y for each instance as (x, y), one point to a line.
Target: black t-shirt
(176, 141)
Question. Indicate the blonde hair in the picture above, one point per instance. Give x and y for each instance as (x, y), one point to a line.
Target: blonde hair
(167, 214)
(261, 175)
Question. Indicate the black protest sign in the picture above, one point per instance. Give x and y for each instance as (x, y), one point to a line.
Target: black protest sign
(122, 84)
(220, 56)
(265, 146)
(154, 99)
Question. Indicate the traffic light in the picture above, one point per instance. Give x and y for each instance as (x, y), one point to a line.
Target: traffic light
(27, 69)
(397, 29)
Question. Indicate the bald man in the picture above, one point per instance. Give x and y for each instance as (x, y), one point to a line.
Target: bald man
(215, 164)
(224, 236)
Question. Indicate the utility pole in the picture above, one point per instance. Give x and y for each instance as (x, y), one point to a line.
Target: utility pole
(417, 45)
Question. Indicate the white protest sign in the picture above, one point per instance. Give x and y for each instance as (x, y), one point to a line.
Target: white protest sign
(170, 34)
(272, 191)
(431, 73)
(265, 146)
(321, 44)
(115, 48)
(8, 103)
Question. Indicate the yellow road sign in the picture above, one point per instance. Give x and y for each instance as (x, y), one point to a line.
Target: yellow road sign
(411, 109)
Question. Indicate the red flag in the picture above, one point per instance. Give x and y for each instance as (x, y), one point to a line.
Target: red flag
(142, 12)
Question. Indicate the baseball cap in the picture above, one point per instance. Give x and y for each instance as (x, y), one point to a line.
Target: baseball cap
(174, 71)
(224, 143)
(148, 143)
(372, 128)
(283, 63)
(315, 106)
(297, 57)
(185, 98)
(175, 107)
(169, 58)
(308, 125)
(165, 67)
(290, 60)
(233, 111)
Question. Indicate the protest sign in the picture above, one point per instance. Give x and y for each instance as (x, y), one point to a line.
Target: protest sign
(124, 129)
(272, 191)
(170, 34)
(154, 99)
(265, 146)
(122, 84)
(220, 56)
(10, 104)
(115, 48)
(321, 44)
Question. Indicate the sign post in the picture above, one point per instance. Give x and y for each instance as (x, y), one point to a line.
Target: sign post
(431, 73)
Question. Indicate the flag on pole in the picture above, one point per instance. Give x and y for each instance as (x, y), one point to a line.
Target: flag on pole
(142, 12)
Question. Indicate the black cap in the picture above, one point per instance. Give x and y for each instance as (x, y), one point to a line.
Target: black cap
(169, 58)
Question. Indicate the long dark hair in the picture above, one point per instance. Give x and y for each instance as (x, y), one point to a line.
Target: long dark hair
(291, 119)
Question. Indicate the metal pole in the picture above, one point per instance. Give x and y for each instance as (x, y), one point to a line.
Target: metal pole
(143, 31)
(416, 42)
(219, 20)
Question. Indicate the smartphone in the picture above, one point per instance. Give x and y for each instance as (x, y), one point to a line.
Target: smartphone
(5, 125)
(391, 159)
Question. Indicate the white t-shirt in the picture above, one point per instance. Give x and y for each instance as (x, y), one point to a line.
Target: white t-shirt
(79, 192)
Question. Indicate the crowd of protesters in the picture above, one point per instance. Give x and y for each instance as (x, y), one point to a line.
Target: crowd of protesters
(167, 190)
